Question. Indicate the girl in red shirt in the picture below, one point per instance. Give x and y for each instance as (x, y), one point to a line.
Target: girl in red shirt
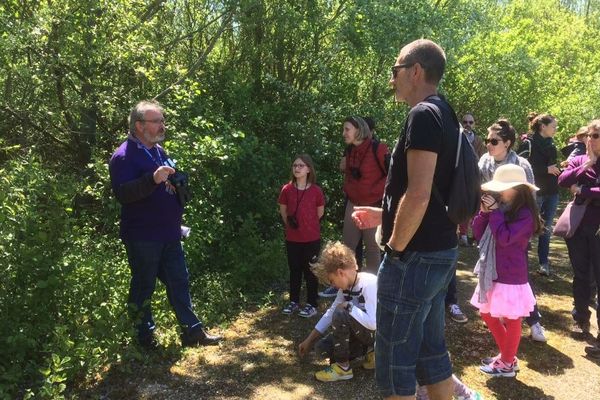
(301, 205)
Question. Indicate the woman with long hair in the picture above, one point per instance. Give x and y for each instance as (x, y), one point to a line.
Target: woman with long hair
(543, 159)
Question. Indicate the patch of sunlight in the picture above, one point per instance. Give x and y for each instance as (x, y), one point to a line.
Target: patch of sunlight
(287, 391)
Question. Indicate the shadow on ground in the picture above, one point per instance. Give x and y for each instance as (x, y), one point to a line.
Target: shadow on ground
(258, 358)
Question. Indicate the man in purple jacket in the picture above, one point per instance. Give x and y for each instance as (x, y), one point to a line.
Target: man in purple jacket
(151, 226)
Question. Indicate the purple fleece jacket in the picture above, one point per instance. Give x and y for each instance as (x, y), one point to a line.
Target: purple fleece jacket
(511, 243)
(586, 178)
(148, 211)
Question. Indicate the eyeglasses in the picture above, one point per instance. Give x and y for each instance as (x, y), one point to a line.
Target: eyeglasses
(593, 135)
(154, 121)
(493, 142)
(468, 122)
(398, 67)
(298, 166)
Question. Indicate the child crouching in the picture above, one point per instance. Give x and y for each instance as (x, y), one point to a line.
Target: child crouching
(351, 315)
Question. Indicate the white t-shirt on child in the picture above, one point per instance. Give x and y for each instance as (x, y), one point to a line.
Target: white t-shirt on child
(364, 303)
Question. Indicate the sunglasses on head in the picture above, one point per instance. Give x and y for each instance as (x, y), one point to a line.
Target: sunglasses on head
(493, 142)
(593, 135)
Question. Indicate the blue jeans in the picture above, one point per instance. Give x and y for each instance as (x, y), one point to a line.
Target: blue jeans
(165, 261)
(410, 344)
(547, 205)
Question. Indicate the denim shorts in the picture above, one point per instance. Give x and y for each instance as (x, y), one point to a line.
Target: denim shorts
(410, 344)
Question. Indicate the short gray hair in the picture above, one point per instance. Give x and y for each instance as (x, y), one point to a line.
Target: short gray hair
(139, 111)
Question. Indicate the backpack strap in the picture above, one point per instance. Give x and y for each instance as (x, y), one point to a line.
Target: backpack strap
(435, 191)
(375, 145)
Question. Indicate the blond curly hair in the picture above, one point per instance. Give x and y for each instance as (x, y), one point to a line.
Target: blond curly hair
(334, 256)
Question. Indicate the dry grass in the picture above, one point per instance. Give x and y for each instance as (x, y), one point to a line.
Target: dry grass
(258, 360)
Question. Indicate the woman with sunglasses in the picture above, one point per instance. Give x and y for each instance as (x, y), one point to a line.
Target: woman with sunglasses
(499, 142)
(582, 178)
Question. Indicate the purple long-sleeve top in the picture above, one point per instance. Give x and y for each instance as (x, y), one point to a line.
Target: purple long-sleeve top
(587, 178)
(511, 242)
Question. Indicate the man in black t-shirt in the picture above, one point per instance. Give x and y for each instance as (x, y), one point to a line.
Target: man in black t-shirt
(420, 240)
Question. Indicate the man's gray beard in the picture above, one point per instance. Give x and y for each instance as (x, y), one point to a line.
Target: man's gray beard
(154, 139)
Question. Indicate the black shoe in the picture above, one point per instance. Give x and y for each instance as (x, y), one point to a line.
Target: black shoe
(197, 337)
(581, 328)
(593, 351)
(148, 342)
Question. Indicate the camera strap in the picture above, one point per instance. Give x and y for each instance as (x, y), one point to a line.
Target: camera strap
(298, 197)
(354, 156)
(350, 293)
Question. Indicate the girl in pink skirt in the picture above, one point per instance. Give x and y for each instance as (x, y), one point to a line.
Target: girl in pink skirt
(507, 220)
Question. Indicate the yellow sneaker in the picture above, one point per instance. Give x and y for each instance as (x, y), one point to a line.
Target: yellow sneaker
(369, 362)
(334, 373)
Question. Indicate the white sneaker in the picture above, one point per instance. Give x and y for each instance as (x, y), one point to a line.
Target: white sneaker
(537, 332)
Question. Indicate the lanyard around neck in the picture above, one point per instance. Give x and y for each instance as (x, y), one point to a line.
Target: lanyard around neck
(298, 197)
(158, 162)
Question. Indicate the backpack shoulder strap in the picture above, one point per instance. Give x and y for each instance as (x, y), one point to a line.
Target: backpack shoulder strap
(375, 146)
(434, 190)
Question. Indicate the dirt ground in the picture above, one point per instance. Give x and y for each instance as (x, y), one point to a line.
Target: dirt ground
(257, 359)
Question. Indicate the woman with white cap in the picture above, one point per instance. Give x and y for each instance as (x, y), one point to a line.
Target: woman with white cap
(507, 220)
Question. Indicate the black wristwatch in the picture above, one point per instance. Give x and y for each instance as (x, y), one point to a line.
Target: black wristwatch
(391, 252)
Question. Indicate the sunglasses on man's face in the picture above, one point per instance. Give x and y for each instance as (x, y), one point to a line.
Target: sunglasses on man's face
(398, 67)
(493, 142)
(468, 122)
(593, 135)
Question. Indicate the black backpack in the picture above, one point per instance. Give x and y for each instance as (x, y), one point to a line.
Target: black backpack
(465, 190)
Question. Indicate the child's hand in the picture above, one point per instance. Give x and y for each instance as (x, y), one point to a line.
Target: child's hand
(303, 348)
(367, 217)
(488, 203)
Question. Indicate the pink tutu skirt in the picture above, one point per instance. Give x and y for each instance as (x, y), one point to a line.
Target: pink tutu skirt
(506, 301)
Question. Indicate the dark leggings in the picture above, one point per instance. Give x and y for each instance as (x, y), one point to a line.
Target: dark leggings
(299, 257)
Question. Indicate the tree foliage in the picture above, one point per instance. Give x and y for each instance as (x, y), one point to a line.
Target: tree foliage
(246, 85)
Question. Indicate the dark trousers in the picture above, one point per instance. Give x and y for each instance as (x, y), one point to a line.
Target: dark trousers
(534, 316)
(584, 253)
(348, 339)
(165, 261)
(299, 257)
(451, 294)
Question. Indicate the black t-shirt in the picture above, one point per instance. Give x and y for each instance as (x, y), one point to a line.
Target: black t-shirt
(431, 128)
